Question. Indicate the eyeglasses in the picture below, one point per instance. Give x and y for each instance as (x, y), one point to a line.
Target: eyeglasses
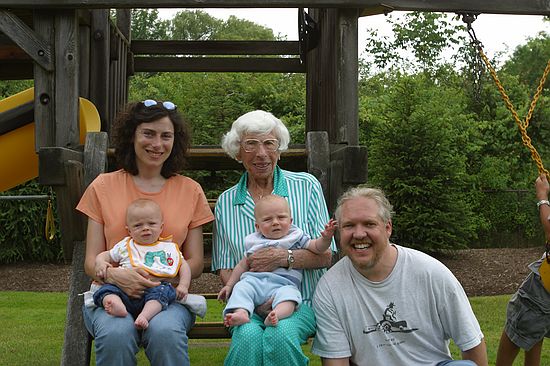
(167, 104)
(252, 145)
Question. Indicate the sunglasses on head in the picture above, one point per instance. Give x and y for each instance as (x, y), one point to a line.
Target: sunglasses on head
(167, 104)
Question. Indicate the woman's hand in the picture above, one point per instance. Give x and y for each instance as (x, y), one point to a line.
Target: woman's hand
(132, 282)
(267, 260)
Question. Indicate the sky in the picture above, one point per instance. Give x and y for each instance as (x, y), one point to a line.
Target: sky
(498, 33)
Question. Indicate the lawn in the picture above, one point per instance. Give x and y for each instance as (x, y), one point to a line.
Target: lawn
(33, 324)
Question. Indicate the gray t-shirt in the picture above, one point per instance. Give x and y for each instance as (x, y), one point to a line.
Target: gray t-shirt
(406, 319)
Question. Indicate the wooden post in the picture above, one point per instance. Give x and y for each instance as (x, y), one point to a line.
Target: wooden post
(76, 344)
(66, 79)
(84, 57)
(99, 65)
(332, 96)
(44, 86)
(318, 157)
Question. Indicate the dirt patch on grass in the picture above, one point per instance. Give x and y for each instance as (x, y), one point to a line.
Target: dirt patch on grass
(482, 272)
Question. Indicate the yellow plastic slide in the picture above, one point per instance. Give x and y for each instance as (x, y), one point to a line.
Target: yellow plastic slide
(18, 160)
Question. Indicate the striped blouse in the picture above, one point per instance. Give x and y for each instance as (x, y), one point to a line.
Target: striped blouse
(235, 219)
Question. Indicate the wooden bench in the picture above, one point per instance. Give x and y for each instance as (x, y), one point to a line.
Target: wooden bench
(79, 172)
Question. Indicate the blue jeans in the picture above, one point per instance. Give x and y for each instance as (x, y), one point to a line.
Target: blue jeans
(117, 340)
(457, 363)
(163, 293)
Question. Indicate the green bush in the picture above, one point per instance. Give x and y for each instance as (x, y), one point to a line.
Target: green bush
(22, 227)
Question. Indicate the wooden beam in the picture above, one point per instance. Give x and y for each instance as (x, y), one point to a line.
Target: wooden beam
(140, 47)
(217, 64)
(30, 41)
(534, 7)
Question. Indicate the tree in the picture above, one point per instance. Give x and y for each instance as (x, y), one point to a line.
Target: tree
(417, 156)
(146, 24)
(194, 25)
(422, 41)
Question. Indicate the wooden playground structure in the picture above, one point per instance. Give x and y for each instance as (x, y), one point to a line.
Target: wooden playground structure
(72, 49)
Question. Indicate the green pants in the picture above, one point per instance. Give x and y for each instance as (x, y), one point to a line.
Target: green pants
(255, 344)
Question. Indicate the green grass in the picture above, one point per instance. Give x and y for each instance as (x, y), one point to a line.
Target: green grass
(33, 326)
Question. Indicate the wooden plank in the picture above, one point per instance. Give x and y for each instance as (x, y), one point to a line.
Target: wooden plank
(318, 157)
(68, 195)
(84, 57)
(30, 41)
(95, 155)
(141, 47)
(99, 65)
(346, 77)
(217, 64)
(321, 76)
(77, 341)
(44, 87)
(209, 330)
(355, 165)
(123, 22)
(66, 79)
(534, 7)
(211, 158)
(50, 164)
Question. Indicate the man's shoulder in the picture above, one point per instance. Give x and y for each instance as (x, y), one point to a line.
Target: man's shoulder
(337, 270)
(424, 263)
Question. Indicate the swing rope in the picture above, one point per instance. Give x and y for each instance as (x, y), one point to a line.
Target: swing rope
(522, 125)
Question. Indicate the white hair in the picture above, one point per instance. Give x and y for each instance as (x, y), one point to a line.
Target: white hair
(255, 122)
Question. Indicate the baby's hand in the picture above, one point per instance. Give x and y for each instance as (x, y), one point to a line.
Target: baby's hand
(181, 292)
(330, 228)
(224, 293)
(101, 269)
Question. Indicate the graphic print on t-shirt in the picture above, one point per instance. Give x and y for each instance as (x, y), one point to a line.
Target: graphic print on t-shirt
(389, 323)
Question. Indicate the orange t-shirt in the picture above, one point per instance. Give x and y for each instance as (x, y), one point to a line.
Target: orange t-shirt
(182, 201)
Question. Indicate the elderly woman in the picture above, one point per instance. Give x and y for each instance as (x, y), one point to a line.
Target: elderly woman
(256, 139)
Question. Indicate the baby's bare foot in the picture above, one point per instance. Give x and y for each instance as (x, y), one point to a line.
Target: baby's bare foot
(271, 320)
(141, 322)
(114, 306)
(236, 318)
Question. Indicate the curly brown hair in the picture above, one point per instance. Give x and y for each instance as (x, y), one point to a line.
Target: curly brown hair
(124, 130)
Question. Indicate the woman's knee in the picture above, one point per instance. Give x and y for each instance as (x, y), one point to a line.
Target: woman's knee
(170, 326)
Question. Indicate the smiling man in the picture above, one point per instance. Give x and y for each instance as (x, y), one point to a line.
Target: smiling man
(384, 304)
